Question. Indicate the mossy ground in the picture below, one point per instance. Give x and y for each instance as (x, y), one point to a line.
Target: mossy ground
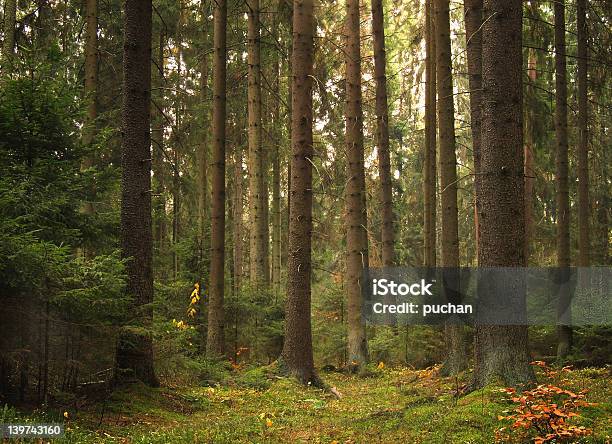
(391, 405)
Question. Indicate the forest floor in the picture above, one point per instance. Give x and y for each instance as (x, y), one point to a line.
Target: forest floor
(391, 405)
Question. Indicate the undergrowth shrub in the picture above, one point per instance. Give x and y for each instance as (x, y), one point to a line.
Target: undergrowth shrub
(544, 414)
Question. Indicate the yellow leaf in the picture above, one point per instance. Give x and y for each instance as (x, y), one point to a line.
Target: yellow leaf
(381, 365)
(65, 414)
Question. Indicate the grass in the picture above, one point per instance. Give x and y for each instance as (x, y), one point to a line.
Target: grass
(391, 405)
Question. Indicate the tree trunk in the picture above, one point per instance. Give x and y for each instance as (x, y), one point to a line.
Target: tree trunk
(176, 132)
(429, 173)
(356, 217)
(297, 348)
(8, 45)
(561, 167)
(382, 134)
(501, 351)
(258, 240)
(276, 197)
(215, 343)
(203, 145)
(584, 244)
(237, 218)
(157, 139)
(529, 163)
(135, 350)
(473, 35)
(456, 359)
(290, 120)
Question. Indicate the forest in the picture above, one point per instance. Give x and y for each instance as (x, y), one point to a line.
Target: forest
(202, 200)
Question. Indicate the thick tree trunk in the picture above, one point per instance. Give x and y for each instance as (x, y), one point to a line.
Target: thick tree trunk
(429, 173)
(259, 273)
(501, 351)
(215, 343)
(8, 45)
(297, 348)
(584, 244)
(356, 217)
(382, 134)
(456, 358)
(529, 164)
(561, 168)
(135, 350)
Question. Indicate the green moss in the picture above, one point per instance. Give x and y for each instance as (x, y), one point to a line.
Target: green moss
(258, 406)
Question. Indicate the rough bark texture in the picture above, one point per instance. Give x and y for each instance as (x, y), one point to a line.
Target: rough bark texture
(382, 134)
(501, 351)
(8, 45)
(561, 168)
(259, 273)
(215, 343)
(135, 351)
(276, 197)
(356, 215)
(584, 244)
(529, 163)
(297, 348)
(429, 173)
(473, 35)
(456, 358)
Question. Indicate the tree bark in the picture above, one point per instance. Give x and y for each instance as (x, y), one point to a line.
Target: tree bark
(8, 45)
(561, 167)
(297, 348)
(584, 244)
(429, 170)
(382, 134)
(215, 343)
(356, 217)
(259, 273)
(276, 197)
(456, 358)
(203, 145)
(135, 350)
(501, 351)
